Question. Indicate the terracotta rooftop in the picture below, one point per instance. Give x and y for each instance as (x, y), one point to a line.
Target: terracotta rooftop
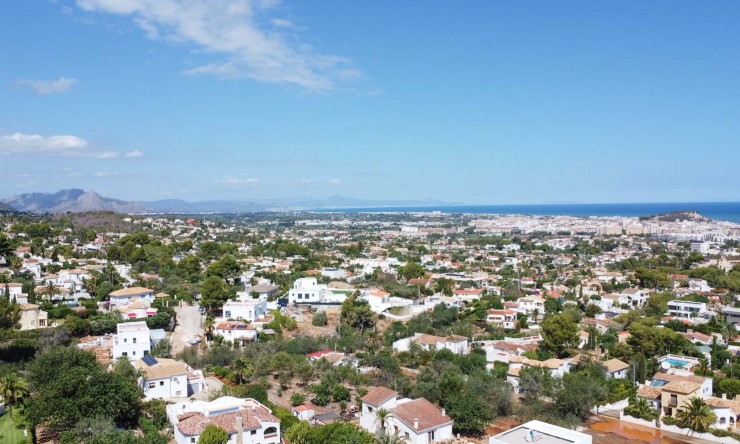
(192, 424)
(131, 291)
(428, 414)
(379, 395)
(682, 387)
(649, 392)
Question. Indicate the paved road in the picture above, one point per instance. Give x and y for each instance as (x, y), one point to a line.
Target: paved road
(189, 325)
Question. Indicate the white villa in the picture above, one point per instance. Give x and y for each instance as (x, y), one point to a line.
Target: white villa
(418, 421)
(132, 340)
(246, 420)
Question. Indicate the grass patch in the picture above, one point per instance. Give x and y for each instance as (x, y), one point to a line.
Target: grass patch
(9, 434)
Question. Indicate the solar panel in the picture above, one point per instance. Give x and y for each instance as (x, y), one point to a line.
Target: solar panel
(150, 360)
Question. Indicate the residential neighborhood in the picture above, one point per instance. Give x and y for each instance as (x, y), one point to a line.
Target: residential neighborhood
(291, 327)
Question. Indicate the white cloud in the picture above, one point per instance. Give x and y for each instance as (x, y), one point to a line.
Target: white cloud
(19, 144)
(239, 31)
(104, 174)
(134, 154)
(306, 181)
(43, 88)
(233, 181)
(335, 181)
(282, 23)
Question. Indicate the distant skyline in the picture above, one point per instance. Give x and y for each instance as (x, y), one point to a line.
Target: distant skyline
(480, 102)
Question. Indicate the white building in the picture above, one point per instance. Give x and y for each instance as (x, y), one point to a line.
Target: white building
(453, 343)
(166, 378)
(506, 319)
(132, 340)
(540, 431)
(125, 295)
(381, 301)
(528, 304)
(309, 291)
(247, 310)
(418, 421)
(32, 317)
(686, 309)
(235, 331)
(246, 420)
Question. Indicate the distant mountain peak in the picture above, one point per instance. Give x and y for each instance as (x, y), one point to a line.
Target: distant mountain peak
(72, 200)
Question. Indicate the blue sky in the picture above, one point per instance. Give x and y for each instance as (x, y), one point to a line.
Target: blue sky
(474, 102)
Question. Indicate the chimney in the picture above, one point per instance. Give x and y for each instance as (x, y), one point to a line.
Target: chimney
(444, 412)
(416, 423)
(239, 430)
(724, 395)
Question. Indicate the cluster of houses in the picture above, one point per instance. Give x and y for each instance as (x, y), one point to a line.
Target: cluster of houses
(669, 390)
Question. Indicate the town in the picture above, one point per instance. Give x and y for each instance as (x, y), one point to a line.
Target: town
(389, 327)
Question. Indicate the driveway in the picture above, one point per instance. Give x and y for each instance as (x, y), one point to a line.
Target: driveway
(189, 325)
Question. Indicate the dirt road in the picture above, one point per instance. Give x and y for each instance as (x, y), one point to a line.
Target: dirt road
(189, 325)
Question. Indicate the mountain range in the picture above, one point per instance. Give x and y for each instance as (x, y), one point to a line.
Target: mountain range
(76, 201)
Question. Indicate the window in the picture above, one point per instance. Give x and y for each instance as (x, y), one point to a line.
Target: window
(253, 432)
(161, 383)
(430, 436)
(270, 431)
(228, 314)
(124, 354)
(134, 340)
(192, 440)
(152, 385)
(133, 353)
(674, 399)
(125, 340)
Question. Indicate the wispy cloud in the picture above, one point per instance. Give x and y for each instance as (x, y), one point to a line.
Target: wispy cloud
(104, 174)
(233, 181)
(43, 88)
(19, 144)
(250, 42)
(335, 181)
(134, 154)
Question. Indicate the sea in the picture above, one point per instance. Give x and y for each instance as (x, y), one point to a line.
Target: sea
(722, 211)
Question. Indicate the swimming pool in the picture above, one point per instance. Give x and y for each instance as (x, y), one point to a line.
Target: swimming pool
(677, 362)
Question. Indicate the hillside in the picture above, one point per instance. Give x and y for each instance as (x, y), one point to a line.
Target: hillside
(72, 200)
(676, 216)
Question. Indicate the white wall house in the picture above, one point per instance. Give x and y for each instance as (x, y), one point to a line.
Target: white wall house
(528, 304)
(418, 421)
(235, 331)
(453, 343)
(505, 319)
(246, 420)
(686, 309)
(540, 431)
(132, 340)
(124, 296)
(32, 317)
(247, 310)
(166, 378)
(309, 291)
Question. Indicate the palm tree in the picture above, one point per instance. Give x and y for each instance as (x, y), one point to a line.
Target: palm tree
(242, 370)
(13, 388)
(50, 289)
(641, 408)
(91, 284)
(382, 415)
(703, 365)
(536, 314)
(208, 325)
(729, 331)
(696, 415)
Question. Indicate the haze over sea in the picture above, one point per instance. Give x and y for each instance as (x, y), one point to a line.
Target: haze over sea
(727, 211)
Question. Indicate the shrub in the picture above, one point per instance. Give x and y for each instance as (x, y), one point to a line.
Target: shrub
(320, 319)
(297, 399)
